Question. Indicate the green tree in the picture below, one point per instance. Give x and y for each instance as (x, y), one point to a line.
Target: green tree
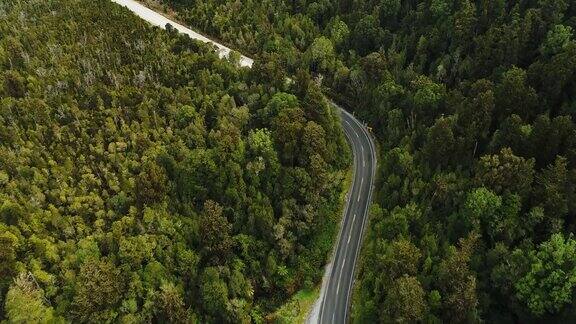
(7, 261)
(215, 232)
(405, 302)
(475, 113)
(401, 257)
(440, 143)
(548, 286)
(14, 84)
(458, 282)
(25, 303)
(557, 39)
(506, 172)
(171, 304)
(366, 35)
(465, 20)
(339, 32)
(320, 55)
(514, 96)
(555, 190)
(428, 96)
(214, 293)
(482, 205)
(151, 184)
(98, 288)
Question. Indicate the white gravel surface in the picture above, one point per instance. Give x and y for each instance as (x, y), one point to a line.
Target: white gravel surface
(157, 19)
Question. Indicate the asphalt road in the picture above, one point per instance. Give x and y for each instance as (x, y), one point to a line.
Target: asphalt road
(335, 299)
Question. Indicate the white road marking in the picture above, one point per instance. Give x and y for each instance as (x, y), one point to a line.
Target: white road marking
(357, 136)
(338, 287)
(343, 263)
(363, 163)
(349, 236)
(360, 192)
(362, 147)
(353, 218)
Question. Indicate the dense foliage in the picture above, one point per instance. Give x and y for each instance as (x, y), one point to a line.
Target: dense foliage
(473, 102)
(140, 174)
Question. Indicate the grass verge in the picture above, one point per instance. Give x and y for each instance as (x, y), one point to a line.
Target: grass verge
(297, 308)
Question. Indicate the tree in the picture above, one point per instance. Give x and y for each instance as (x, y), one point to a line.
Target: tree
(7, 261)
(550, 138)
(549, 283)
(482, 206)
(366, 35)
(440, 143)
(428, 97)
(320, 55)
(98, 288)
(475, 113)
(314, 141)
(401, 257)
(514, 96)
(25, 303)
(196, 176)
(440, 8)
(339, 32)
(171, 305)
(389, 9)
(553, 10)
(506, 172)
(287, 128)
(555, 190)
(465, 24)
(405, 302)
(557, 39)
(214, 293)
(263, 165)
(151, 184)
(215, 232)
(458, 282)
(14, 84)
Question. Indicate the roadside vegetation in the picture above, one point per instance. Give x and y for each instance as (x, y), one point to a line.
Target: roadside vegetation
(473, 103)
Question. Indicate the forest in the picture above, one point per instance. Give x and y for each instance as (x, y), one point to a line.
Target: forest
(143, 179)
(473, 103)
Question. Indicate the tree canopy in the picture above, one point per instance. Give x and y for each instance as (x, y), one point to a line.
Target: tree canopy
(143, 179)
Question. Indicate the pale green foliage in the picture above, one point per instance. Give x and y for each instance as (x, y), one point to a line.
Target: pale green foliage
(339, 32)
(25, 303)
(549, 284)
(405, 302)
(320, 55)
(428, 94)
(482, 204)
(557, 39)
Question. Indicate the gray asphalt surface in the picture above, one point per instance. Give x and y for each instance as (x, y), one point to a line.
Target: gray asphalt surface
(335, 300)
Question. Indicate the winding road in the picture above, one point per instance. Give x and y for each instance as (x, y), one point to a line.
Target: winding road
(335, 299)
(332, 307)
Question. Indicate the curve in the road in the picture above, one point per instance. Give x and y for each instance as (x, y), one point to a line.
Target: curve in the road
(335, 299)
